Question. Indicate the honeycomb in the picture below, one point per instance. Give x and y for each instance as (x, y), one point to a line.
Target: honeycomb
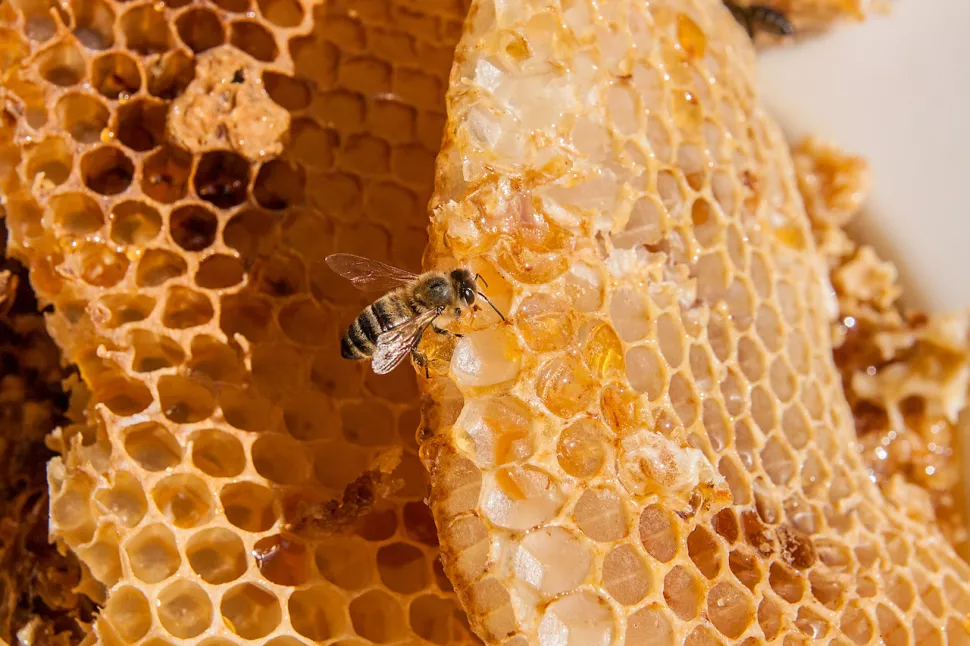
(225, 482)
(905, 373)
(655, 446)
(179, 237)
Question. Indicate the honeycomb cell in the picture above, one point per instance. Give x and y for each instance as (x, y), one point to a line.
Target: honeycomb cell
(165, 174)
(316, 613)
(578, 619)
(183, 400)
(437, 620)
(184, 609)
(133, 223)
(185, 308)
(658, 533)
(93, 23)
(104, 559)
(812, 624)
(625, 575)
(282, 559)
(522, 497)
(172, 75)
(786, 583)
(770, 617)
(200, 29)
(279, 185)
(219, 272)
(565, 386)
(152, 446)
(146, 30)
(345, 563)
(249, 506)
(83, 116)
(552, 560)
(476, 362)
(107, 170)
(222, 178)
(124, 396)
(649, 626)
(254, 39)
(217, 555)
(101, 266)
(76, 213)
(128, 613)
(582, 448)
(115, 75)
(683, 592)
(288, 91)
(403, 568)
(193, 227)
(599, 513)
(157, 266)
(141, 124)
(183, 499)
(703, 549)
(153, 554)
(376, 616)
(280, 459)
(61, 64)
(730, 609)
(646, 371)
(252, 611)
(51, 159)
(892, 630)
(282, 13)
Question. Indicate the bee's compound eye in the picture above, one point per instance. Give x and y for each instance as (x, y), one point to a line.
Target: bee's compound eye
(468, 295)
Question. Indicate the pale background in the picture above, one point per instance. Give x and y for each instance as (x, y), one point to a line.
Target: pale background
(897, 90)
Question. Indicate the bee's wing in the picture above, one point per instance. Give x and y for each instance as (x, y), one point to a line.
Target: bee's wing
(396, 343)
(369, 275)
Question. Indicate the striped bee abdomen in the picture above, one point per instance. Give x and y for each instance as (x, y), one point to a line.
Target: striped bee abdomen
(360, 341)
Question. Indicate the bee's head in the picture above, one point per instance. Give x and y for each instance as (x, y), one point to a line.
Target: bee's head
(464, 285)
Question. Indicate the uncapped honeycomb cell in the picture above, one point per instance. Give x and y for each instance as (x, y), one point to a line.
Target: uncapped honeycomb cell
(691, 473)
(179, 171)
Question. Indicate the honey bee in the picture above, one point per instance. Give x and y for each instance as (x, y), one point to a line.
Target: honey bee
(391, 328)
(759, 16)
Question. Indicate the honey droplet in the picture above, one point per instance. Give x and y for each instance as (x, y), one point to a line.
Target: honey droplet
(282, 559)
(690, 37)
(603, 353)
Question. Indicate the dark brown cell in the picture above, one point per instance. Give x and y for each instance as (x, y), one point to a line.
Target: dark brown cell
(254, 39)
(107, 170)
(193, 227)
(165, 175)
(222, 178)
(141, 124)
(200, 30)
(115, 75)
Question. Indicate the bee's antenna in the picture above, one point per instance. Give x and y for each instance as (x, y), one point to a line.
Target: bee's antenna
(491, 304)
(479, 277)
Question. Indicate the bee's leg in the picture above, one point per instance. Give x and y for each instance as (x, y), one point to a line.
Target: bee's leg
(440, 331)
(421, 359)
